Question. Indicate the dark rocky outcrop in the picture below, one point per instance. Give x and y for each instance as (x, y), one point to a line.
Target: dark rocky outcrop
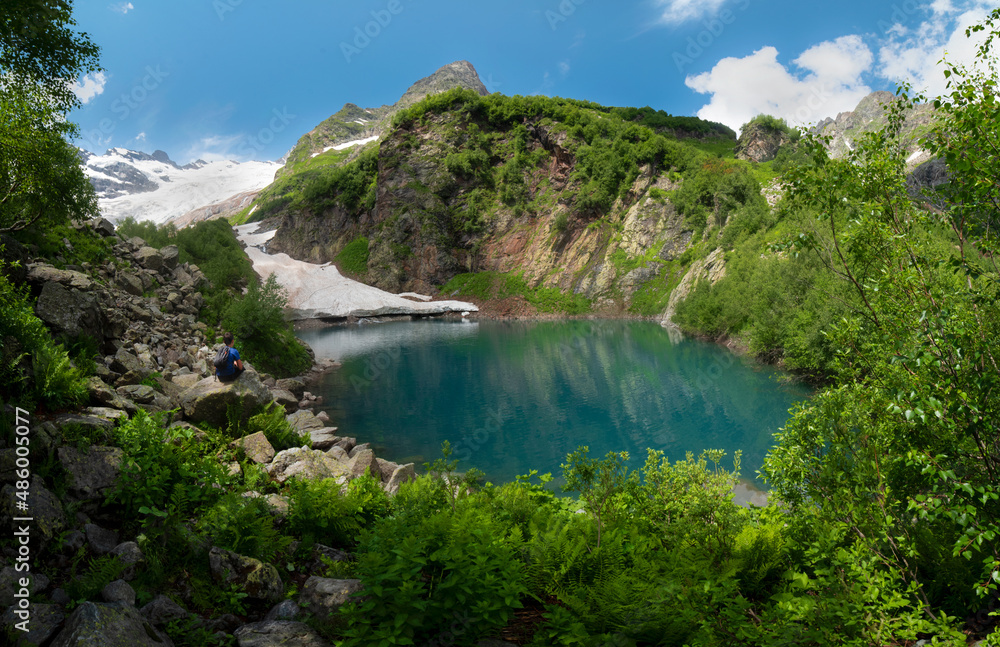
(109, 625)
(759, 143)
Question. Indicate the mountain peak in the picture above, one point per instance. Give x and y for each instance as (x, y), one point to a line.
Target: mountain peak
(454, 75)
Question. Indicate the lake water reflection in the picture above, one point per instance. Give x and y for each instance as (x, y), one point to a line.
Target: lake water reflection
(515, 396)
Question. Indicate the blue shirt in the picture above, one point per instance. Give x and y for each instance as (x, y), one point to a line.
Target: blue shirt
(230, 366)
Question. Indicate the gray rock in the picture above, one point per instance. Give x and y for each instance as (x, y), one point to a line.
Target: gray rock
(256, 448)
(60, 597)
(209, 399)
(150, 258)
(162, 610)
(131, 555)
(362, 460)
(109, 625)
(293, 386)
(385, 469)
(403, 474)
(130, 283)
(278, 633)
(48, 518)
(304, 421)
(40, 274)
(338, 453)
(324, 438)
(347, 444)
(119, 591)
(125, 362)
(101, 541)
(279, 503)
(10, 583)
(43, 624)
(92, 473)
(358, 448)
(307, 464)
(102, 394)
(139, 393)
(103, 226)
(170, 255)
(287, 610)
(258, 580)
(322, 596)
(285, 399)
(71, 312)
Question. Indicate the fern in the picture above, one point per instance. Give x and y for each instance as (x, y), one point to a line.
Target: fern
(244, 526)
(101, 572)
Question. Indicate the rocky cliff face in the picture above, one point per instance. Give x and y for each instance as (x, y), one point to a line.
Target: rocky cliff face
(757, 143)
(869, 116)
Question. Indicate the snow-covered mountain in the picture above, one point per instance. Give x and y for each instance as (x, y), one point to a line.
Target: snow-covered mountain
(155, 188)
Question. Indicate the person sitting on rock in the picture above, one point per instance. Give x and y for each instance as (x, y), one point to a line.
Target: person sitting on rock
(234, 365)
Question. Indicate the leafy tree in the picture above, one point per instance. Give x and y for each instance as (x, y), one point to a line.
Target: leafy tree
(40, 175)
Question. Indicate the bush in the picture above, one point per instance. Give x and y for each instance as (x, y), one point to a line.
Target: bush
(257, 321)
(353, 258)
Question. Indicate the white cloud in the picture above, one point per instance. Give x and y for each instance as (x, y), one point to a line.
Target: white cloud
(912, 53)
(141, 137)
(122, 7)
(678, 11)
(828, 82)
(216, 148)
(89, 86)
(564, 67)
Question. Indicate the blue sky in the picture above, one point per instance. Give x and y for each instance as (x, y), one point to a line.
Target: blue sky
(244, 79)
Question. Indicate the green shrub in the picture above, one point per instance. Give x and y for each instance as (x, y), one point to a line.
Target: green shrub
(257, 321)
(243, 525)
(276, 428)
(452, 576)
(317, 511)
(353, 258)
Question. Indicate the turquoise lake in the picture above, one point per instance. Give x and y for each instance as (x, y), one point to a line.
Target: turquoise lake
(516, 396)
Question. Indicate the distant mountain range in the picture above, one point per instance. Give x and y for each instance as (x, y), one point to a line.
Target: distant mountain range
(154, 187)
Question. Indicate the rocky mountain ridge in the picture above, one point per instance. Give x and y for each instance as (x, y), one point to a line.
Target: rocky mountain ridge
(352, 125)
(153, 187)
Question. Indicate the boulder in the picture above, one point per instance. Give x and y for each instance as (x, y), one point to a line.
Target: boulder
(293, 386)
(96, 426)
(186, 381)
(307, 464)
(48, 517)
(150, 258)
(170, 255)
(125, 362)
(129, 554)
(109, 625)
(304, 420)
(322, 596)
(278, 633)
(93, 472)
(287, 610)
(402, 474)
(71, 312)
(285, 399)
(138, 393)
(338, 453)
(385, 469)
(361, 461)
(129, 283)
(45, 621)
(209, 399)
(324, 438)
(358, 448)
(10, 584)
(119, 591)
(256, 447)
(101, 541)
(162, 610)
(40, 274)
(103, 226)
(258, 580)
(102, 394)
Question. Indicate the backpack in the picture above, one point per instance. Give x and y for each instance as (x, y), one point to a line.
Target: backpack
(221, 358)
